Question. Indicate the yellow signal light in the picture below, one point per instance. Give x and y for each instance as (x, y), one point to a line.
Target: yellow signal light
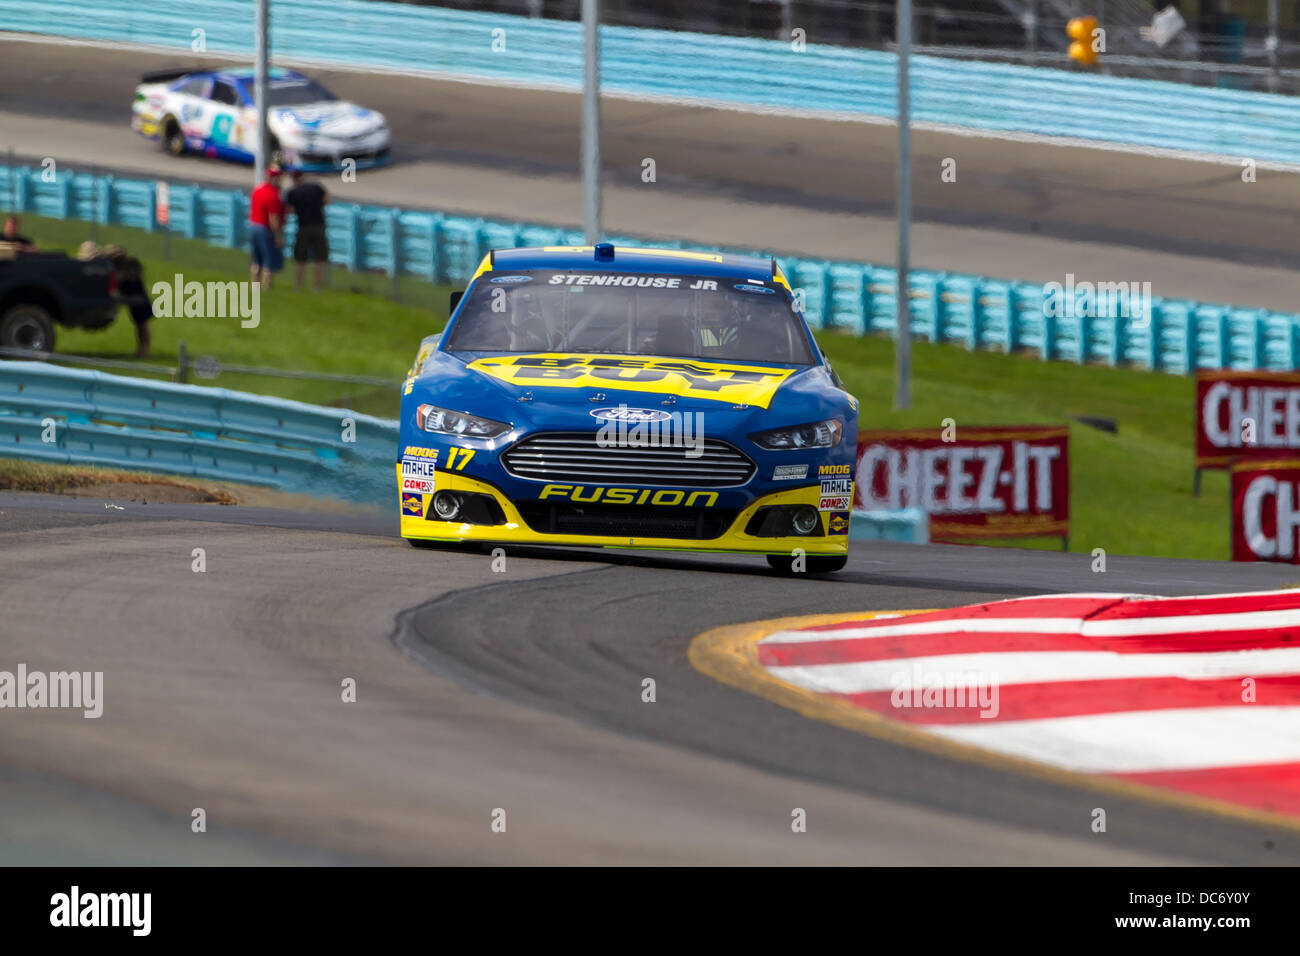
(1084, 32)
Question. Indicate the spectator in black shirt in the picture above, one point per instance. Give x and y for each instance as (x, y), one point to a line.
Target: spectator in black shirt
(307, 199)
(132, 290)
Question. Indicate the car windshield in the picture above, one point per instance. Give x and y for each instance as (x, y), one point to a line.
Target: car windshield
(687, 316)
(292, 92)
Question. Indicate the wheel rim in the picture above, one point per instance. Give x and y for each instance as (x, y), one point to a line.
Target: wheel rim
(27, 332)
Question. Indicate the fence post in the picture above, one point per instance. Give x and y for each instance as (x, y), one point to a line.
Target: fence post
(94, 205)
(395, 252)
(182, 362)
(354, 239)
(109, 208)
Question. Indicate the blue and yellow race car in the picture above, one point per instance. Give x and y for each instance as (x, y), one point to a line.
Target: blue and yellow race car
(629, 398)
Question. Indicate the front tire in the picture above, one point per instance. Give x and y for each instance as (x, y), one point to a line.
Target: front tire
(812, 563)
(171, 138)
(28, 327)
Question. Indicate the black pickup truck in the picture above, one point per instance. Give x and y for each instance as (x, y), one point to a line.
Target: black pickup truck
(39, 289)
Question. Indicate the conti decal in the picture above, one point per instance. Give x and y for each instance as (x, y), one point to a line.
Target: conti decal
(630, 496)
(788, 472)
(738, 384)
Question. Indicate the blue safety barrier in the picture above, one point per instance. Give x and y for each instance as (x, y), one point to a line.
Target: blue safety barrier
(977, 312)
(911, 525)
(73, 416)
(739, 71)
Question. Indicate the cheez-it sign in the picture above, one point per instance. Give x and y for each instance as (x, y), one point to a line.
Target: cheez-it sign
(977, 483)
(1266, 511)
(1244, 416)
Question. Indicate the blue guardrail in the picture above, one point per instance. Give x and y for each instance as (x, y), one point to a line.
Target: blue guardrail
(115, 421)
(736, 71)
(978, 312)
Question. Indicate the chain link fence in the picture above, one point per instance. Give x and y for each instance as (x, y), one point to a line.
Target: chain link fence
(1254, 45)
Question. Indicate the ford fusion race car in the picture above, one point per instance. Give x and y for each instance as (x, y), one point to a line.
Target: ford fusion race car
(629, 398)
(214, 113)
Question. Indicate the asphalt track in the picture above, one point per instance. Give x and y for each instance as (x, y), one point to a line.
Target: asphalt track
(519, 690)
(790, 184)
(522, 690)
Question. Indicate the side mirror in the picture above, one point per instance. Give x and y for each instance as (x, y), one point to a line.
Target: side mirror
(455, 301)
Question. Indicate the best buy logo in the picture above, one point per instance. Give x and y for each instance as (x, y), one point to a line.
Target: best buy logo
(741, 384)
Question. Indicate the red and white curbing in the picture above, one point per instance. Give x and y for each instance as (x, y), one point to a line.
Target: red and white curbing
(1195, 694)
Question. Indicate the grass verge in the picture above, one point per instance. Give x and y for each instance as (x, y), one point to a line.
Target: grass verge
(1131, 492)
(110, 484)
(351, 328)
(19, 475)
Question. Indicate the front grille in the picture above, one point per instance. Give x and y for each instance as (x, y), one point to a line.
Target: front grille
(576, 457)
(652, 521)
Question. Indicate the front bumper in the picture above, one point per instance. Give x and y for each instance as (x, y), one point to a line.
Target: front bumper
(327, 153)
(516, 530)
(146, 126)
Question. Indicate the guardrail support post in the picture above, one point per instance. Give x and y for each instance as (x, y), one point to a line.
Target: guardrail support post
(902, 310)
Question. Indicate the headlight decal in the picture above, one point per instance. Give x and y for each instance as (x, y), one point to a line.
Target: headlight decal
(445, 421)
(823, 434)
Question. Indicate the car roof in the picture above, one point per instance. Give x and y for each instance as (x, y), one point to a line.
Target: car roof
(633, 259)
(245, 74)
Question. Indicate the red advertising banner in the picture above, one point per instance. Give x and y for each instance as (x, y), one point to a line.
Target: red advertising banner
(1266, 511)
(1008, 481)
(1251, 416)
(162, 203)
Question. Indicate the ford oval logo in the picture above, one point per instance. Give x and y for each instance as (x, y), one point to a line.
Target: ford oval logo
(625, 414)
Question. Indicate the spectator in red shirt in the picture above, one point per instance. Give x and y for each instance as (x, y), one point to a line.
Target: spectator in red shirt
(266, 228)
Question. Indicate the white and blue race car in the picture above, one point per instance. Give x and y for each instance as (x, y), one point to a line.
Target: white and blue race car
(214, 113)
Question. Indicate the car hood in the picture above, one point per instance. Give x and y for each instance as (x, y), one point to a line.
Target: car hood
(327, 118)
(554, 391)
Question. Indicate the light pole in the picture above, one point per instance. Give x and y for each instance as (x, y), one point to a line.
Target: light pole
(261, 52)
(591, 225)
(902, 320)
